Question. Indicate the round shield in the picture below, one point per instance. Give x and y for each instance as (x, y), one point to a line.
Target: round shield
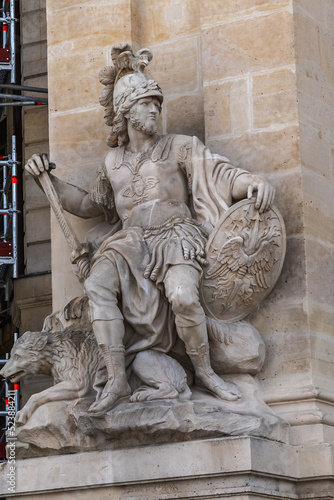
(245, 252)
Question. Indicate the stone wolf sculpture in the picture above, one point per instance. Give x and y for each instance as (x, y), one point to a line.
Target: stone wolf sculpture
(73, 359)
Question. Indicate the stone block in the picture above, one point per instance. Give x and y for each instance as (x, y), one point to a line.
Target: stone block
(313, 112)
(268, 151)
(287, 355)
(274, 98)
(33, 300)
(33, 26)
(78, 137)
(227, 108)
(33, 68)
(239, 468)
(36, 81)
(35, 123)
(185, 115)
(34, 197)
(322, 353)
(314, 44)
(88, 24)
(316, 149)
(37, 225)
(320, 271)
(329, 17)
(160, 21)
(319, 215)
(177, 71)
(73, 79)
(289, 289)
(289, 199)
(37, 147)
(32, 52)
(31, 5)
(38, 258)
(316, 13)
(254, 44)
(213, 12)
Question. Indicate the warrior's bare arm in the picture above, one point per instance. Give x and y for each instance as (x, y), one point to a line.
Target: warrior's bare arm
(246, 184)
(72, 198)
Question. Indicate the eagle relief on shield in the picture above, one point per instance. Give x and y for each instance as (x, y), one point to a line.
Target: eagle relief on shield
(245, 252)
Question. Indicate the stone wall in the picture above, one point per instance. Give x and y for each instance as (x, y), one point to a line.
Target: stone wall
(314, 26)
(253, 79)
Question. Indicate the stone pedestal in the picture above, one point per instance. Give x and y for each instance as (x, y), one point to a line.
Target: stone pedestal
(238, 468)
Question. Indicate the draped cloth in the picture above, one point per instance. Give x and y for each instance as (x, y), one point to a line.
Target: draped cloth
(116, 287)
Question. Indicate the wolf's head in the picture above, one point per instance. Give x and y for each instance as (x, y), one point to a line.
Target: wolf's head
(26, 357)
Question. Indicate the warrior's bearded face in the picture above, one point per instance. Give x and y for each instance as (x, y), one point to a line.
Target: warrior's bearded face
(144, 113)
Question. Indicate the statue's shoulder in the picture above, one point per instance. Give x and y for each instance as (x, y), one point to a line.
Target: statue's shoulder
(182, 147)
(114, 158)
(180, 141)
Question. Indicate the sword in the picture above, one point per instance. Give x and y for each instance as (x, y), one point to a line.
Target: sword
(71, 238)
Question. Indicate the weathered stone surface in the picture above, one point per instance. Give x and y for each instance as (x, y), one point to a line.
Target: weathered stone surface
(258, 43)
(238, 467)
(176, 71)
(35, 197)
(35, 124)
(155, 422)
(227, 108)
(213, 12)
(38, 257)
(159, 21)
(268, 151)
(185, 115)
(38, 225)
(33, 26)
(274, 98)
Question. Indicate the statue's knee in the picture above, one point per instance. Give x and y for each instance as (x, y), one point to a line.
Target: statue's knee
(184, 300)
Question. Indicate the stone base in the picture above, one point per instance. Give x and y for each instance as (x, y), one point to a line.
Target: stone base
(230, 468)
(66, 427)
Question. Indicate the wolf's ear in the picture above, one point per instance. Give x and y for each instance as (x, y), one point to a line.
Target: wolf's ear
(40, 341)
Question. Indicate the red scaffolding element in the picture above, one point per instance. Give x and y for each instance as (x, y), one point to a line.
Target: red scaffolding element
(4, 55)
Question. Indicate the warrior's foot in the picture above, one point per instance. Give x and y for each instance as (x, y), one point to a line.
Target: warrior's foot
(214, 384)
(114, 392)
(207, 378)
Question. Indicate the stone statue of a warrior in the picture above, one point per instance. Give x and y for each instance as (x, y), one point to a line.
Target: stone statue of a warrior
(162, 196)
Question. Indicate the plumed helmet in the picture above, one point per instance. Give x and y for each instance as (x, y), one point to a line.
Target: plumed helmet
(132, 87)
(125, 83)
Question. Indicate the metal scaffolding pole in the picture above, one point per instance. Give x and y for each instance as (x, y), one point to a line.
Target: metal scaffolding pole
(9, 210)
(14, 206)
(8, 21)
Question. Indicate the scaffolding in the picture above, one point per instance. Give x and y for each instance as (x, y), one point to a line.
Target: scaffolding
(11, 95)
(7, 52)
(9, 211)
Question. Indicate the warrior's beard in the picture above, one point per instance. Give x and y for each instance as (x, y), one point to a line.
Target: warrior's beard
(137, 123)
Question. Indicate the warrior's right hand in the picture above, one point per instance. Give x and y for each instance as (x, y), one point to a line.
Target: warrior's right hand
(38, 164)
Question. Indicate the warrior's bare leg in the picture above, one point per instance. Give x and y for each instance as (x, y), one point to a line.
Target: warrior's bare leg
(102, 288)
(181, 287)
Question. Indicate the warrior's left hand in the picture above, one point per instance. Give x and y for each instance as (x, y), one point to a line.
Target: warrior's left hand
(193, 250)
(265, 194)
